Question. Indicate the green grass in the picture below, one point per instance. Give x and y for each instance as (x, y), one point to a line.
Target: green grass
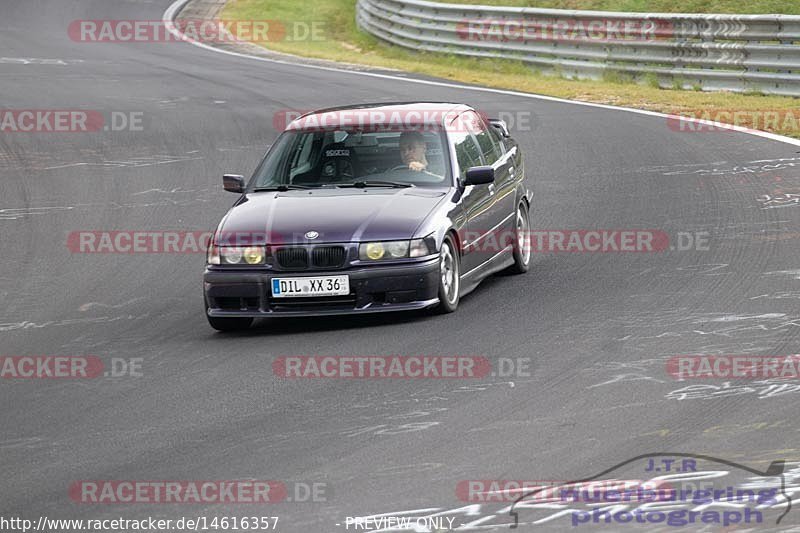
(343, 41)
(787, 7)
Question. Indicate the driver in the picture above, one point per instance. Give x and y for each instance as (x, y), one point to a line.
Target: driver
(412, 150)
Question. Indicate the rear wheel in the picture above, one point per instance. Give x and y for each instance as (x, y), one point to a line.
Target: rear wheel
(229, 323)
(522, 244)
(449, 277)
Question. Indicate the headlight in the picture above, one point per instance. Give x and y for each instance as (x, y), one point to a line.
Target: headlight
(236, 255)
(376, 251)
(397, 249)
(371, 250)
(253, 255)
(231, 255)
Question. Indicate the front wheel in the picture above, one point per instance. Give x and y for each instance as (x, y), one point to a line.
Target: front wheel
(449, 277)
(522, 244)
(229, 323)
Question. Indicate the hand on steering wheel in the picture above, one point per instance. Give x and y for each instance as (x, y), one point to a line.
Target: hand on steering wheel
(414, 166)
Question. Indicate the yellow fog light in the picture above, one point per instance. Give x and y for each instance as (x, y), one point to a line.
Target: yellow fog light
(375, 250)
(253, 255)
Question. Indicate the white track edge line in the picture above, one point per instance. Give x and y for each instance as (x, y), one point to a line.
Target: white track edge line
(176, 6)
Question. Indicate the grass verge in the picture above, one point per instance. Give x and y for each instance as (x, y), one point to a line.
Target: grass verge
(341, 40)
(786, 7)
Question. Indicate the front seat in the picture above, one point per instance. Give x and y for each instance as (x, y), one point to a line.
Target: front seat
(339, 163)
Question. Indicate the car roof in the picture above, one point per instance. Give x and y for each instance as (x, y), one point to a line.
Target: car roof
(380, 113)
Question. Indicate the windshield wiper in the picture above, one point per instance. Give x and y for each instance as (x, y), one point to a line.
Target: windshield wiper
(281, 188)
(377, 183)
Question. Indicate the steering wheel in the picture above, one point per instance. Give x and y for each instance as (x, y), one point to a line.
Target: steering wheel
(412, 176)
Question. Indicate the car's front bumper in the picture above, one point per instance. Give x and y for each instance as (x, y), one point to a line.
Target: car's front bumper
(373, 289)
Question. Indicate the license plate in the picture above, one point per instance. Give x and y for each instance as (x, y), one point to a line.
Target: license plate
(316, 286)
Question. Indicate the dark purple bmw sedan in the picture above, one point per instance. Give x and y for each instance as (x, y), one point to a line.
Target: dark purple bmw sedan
(370, 208)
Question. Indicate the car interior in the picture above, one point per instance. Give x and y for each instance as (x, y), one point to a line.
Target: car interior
(341, 157)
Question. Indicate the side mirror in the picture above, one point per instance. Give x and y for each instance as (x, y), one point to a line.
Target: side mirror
(500, 125)
(479, 175)
(233, 183)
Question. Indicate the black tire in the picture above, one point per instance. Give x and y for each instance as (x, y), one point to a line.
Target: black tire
(229, 323)
(522, 244)
(449, 293)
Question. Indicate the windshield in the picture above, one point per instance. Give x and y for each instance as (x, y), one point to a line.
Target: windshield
(343, 158)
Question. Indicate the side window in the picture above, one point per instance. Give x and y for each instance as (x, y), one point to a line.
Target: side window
(498, 139)
(488, 144)
(468, 153)
(489, 148)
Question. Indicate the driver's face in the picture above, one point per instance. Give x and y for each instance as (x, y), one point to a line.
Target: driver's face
(412, 151)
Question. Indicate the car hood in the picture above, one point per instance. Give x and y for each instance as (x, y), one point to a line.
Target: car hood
(336, 215)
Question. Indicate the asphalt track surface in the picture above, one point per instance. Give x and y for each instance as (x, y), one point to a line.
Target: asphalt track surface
(597, 327)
